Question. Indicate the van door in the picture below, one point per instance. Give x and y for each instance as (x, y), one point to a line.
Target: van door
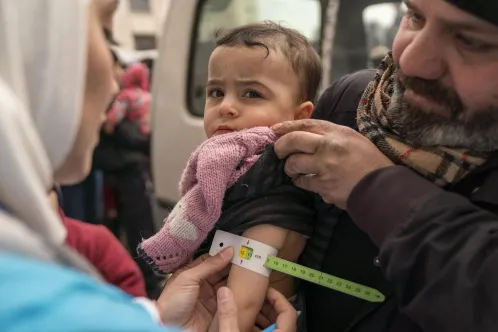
(180, 72)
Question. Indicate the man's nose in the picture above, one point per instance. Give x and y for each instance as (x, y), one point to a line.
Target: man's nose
(228, 107)
(424, 57)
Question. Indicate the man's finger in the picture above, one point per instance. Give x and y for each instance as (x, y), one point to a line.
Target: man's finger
(211, 266)
(287, 315)
(297, 142)
(319, 127)
(301, 164)
(227, 311)
(308, 182)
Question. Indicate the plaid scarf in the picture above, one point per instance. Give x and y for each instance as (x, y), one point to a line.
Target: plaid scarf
(438, 164)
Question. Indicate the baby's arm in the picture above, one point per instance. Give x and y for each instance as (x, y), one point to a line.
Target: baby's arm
(249, 288)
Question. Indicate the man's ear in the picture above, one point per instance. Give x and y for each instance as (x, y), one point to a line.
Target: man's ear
(304, 111)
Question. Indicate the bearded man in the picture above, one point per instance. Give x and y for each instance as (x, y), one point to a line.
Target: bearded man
(404, 161)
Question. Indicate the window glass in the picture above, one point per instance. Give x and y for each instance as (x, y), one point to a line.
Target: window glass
(140, 6)
(145, 42)
(364, 28)
(381, 25)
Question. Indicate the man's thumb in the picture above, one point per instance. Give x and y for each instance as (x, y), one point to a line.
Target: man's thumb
(227, 311)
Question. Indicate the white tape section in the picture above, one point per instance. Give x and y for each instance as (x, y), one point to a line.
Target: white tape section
(248, 253)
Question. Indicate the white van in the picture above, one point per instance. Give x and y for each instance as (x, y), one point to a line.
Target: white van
(343, 32)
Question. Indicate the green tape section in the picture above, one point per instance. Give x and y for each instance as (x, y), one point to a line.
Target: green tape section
(325, 280)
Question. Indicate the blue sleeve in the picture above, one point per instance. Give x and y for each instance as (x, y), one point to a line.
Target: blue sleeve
(40, 296)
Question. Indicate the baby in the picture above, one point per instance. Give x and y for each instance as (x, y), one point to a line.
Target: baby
(259, 75)
(133, 101)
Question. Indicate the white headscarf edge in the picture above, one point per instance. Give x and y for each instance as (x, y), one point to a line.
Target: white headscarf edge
(42, 74)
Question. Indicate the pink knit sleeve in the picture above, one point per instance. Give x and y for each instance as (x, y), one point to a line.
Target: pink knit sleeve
(209, 173)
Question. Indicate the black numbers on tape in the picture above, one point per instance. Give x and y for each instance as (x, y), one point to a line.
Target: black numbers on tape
(323, 279)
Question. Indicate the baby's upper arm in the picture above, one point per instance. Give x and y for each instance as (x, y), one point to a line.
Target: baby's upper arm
(249, 288)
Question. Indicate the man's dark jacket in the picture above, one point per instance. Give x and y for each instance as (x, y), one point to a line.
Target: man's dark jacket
(438, 257)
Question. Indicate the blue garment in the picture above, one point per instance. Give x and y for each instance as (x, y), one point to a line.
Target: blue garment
(85, 201)
(41, 296)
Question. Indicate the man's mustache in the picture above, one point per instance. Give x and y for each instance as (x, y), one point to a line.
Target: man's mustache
(433, 90)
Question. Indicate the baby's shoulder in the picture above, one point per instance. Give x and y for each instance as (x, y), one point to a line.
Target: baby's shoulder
(266, 174)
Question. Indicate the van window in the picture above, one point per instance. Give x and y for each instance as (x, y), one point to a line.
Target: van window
(381, 25)
(213, 15)
(355, 37)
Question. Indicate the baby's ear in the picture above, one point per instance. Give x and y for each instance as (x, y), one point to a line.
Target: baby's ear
(304, 111)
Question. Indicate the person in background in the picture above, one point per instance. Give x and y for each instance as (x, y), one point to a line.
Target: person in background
(133, 101)
(51, 108)
(84, 201)
(123, 157)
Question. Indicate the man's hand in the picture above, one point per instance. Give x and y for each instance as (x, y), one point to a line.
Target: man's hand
(326, 158)
(189, 298)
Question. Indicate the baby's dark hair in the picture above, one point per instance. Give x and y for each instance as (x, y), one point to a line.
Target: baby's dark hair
(304, 60)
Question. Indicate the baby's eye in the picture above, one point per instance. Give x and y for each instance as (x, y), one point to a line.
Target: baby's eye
(215, 93)
(252, 94)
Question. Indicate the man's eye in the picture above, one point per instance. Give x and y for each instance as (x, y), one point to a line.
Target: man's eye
(414, 19)
(215, 93)
(473, 45)
(252, 94)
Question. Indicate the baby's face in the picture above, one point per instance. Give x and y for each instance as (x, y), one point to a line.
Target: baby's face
(246, 90)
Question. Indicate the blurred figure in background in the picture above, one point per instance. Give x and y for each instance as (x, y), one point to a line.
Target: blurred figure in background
(133, 101)
(123, 156)
(84, 201)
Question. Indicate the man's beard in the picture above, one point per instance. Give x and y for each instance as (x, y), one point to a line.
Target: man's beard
(424, 127)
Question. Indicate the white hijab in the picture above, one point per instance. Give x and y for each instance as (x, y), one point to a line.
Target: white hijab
(43, 54)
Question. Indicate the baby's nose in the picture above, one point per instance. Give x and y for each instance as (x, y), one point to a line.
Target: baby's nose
(228, 108)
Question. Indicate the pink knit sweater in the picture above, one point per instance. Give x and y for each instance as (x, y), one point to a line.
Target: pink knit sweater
(213, 168)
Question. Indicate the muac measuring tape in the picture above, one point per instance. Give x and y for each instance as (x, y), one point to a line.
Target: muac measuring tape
(261, 258)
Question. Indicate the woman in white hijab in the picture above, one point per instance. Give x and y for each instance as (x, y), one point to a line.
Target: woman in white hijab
(55, 85)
